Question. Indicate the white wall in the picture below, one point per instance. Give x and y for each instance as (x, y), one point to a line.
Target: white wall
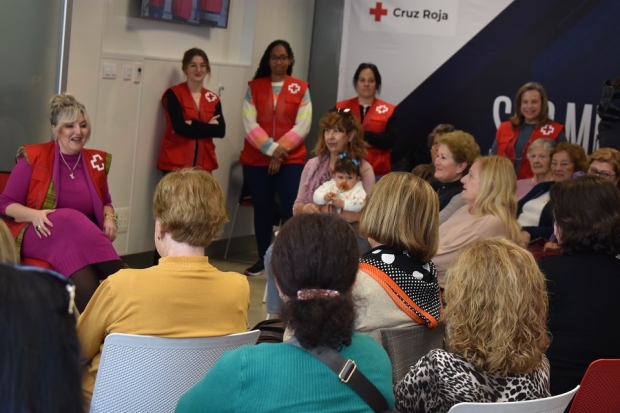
(127, 117)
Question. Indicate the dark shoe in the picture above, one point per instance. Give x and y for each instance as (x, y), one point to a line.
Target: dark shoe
(255, 269)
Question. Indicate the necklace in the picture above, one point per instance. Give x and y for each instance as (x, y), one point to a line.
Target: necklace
(74, 166)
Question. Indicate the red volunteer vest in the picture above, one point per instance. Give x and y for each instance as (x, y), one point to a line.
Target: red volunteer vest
(375, 121)
(178, 152)
(282, 118)
(507, 138)
(41, 159)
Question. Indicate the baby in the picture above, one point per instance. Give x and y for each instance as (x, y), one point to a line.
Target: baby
(344, 191)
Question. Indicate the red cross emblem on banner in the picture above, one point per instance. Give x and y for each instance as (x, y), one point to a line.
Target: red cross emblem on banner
(378, 11)
(547, 130)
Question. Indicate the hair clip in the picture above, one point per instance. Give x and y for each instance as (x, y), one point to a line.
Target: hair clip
(355, 162)
(342, 155)
(312, 293)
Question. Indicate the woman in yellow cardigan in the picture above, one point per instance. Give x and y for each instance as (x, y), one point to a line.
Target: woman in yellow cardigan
(182, 296)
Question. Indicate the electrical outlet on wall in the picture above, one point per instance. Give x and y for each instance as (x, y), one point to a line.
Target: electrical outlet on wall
(137, 72)
(122, 218)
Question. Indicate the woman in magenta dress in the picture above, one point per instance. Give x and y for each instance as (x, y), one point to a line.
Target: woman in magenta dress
(57, 202)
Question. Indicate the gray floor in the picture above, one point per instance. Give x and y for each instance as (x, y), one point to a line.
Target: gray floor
(238, 263)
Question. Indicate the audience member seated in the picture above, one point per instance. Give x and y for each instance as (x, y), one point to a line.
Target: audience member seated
(530, 122)
(491, 207)
(584, 280)
(183, 296)
(427, 171)
(8, 253)
(605, 163)
(495, 332)
(534, 209)
(339, 132)
(455, 154)
(315, 261)
(58, 197)
(539, 157)
(397, 282)
(39, 349)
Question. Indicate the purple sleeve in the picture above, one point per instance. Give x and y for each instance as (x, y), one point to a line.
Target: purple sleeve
(16, 189)
(107, 199)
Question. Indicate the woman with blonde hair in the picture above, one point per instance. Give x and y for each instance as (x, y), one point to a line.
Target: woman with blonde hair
(605, 163)
(182, 296)
(495, 317)
(58, 197)
(490, 210)
(397, 280)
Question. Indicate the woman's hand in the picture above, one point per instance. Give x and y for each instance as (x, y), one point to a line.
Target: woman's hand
(310, 209)
(524, 239)
(214, 121)
(280, 153)
(274, 166)
(41, 222)
(326, 209)
(109, 228)
(551, 246)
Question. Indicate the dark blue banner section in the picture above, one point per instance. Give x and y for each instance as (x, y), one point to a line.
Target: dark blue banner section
(570, 46)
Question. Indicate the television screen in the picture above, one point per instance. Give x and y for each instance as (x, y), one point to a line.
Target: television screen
(212, 13)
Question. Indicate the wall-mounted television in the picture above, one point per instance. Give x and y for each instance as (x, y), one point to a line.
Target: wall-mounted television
(212, 13)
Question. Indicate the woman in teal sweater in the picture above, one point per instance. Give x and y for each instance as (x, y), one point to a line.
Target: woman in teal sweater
(315, 260)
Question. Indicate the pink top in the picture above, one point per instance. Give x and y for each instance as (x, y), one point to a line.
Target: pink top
(523, 187)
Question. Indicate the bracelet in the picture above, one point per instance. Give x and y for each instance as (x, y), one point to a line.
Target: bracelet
(113, 216)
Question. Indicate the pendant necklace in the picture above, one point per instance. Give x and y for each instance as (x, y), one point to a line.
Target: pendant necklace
(74, 166)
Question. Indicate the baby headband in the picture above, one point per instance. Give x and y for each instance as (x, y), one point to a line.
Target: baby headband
(344, 155)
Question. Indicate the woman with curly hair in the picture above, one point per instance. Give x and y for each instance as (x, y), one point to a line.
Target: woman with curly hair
(496, 333)
(605, 163)
(340, 134)
(584, 280)
(277, 113)
(490, 209)
(315, 260)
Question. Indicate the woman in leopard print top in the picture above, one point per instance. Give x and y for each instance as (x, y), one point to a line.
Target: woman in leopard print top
(496, 330)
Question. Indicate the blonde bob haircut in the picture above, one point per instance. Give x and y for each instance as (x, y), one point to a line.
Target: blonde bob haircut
(462, 146)
(402, 212)
(344, 122)
(608, 155)
(65, 109)
(189, 205)
(496, 311)
(497, 195)
(8, 252)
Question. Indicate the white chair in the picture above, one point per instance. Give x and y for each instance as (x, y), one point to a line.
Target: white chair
(554, 404)
(149, 374)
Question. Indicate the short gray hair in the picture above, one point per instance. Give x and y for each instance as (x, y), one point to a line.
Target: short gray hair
(546, 143)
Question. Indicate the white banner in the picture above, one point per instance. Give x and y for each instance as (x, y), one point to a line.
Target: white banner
(433, 18)
(407, 39)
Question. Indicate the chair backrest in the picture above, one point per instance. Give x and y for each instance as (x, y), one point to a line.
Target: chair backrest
(554, 404)
(405, 346)
(600, 388)
(150, 374)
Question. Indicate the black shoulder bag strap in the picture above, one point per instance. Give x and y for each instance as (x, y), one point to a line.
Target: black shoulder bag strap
(349, 374)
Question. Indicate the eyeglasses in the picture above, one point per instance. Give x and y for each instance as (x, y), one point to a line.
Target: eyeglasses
(66, 281)
(602, 174)
(281, 58)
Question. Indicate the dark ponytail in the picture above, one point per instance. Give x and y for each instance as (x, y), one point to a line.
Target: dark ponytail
(317, 252)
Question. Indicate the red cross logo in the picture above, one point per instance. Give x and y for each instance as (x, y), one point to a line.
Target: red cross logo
(294, 88)
(547, 130)
(378, 11)
(210, 96)
(97, 162)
